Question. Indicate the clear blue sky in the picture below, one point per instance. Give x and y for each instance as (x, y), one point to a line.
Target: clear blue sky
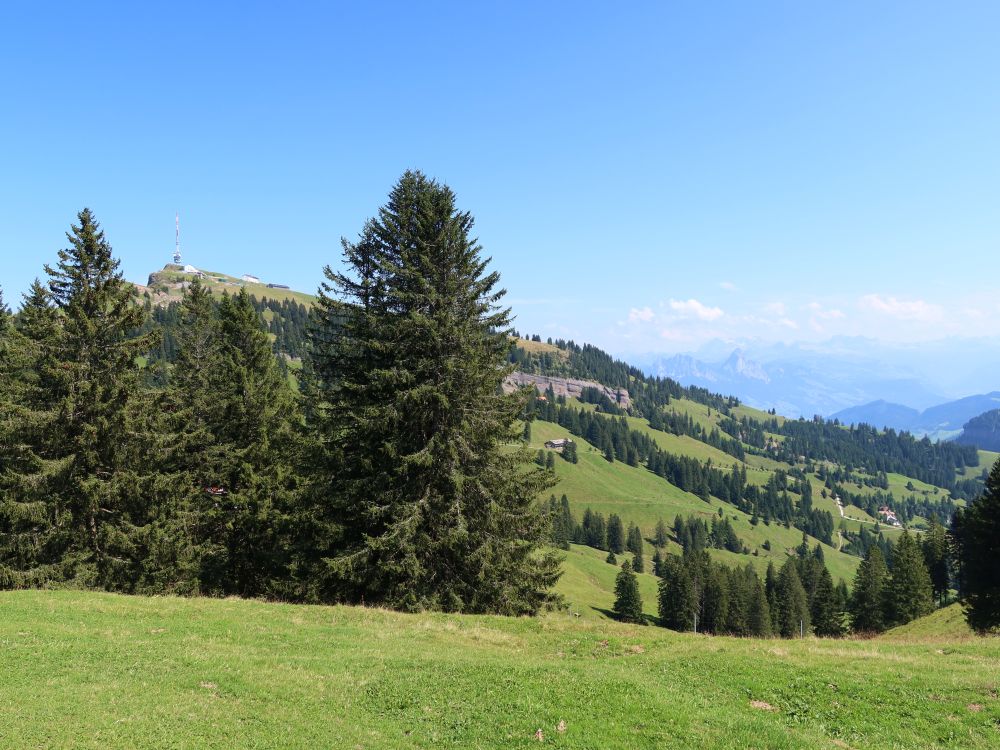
(645, 176)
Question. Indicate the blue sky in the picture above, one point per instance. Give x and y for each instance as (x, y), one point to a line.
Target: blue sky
(647, 177)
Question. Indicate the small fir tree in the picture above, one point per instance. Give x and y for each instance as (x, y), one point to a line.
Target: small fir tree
(935, 549)
(868, 601)
(616, 534)
(628, 601)
(660, 535)
(910, 592)
(793, 603)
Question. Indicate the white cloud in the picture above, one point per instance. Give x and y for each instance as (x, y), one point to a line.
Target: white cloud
(693, 307)
(789, 323)
(819, 312)
(645, 315)
(728, 286)
(775, 308)
(901, 309)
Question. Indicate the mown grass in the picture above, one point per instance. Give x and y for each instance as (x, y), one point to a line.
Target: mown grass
(88, 670)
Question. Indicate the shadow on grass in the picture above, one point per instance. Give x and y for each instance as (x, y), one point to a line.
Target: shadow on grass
(610, 614)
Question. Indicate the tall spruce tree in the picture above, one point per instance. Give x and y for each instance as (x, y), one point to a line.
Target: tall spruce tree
(424, 489)
(759, 613)
(870, 592)
(827, 616)
(239, 420)
(678, 600)
(792, 602)
(976, 534)
(935, 548)
(910, 591)
(628, 601)
(86, 479)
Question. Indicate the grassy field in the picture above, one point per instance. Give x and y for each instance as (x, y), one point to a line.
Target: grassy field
(641, 497)
(588, 583)
(86, 670)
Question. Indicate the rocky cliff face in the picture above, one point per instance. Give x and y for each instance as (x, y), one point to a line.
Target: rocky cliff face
(569, 387)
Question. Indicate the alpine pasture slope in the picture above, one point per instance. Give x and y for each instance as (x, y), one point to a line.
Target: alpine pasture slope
(639, 496)
(91, 670)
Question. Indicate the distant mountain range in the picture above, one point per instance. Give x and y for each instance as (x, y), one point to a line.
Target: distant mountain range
(848, 377)
(943, 421)
(795, 382)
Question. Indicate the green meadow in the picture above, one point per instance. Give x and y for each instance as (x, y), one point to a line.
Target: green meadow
(89, 670)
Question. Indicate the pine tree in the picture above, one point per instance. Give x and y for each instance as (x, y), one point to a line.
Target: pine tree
(910, 591)
(616, 534)
(634, 540)
(771, 591)
(792, 602)
(976, 534)
(935, 548)
(716, 601)
(86, 498)
(638, 564)
(759, 615)
(628, 602)
(611, 559)
(827, 616)
(678, 600)
(27, 369)
(434, 504)
(868, 600)
(239, 418)
(660, 536)
(658, 562)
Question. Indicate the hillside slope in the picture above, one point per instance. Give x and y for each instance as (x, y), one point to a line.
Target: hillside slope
(167, 285)
(947, 623)
(982, 431)
(641, 497)
(89, 670)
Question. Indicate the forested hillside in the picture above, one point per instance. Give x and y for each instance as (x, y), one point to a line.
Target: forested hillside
(191, 437)
(982, 431)
(695, 471)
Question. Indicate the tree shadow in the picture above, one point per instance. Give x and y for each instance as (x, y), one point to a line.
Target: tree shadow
(610, 614)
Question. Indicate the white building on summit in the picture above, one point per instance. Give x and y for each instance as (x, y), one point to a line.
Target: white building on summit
(250, 279)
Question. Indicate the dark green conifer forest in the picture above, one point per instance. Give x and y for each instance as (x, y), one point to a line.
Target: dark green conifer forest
(395, 476)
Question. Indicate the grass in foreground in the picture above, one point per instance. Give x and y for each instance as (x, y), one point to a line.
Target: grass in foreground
(102, 671)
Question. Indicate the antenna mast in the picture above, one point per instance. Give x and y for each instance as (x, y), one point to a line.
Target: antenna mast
(177, 240)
